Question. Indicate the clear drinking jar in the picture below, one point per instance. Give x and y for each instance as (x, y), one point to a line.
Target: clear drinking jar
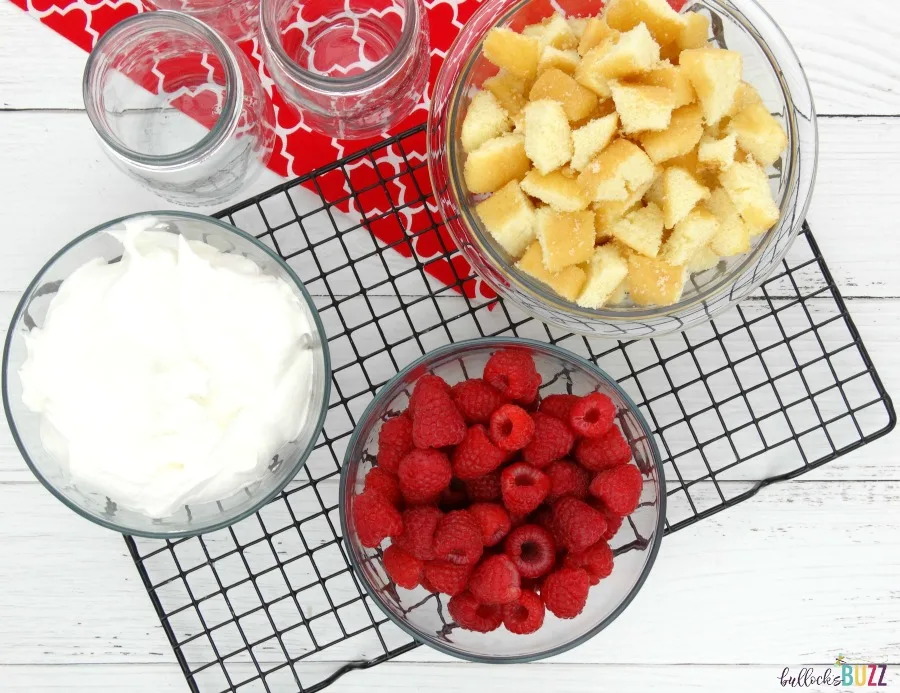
(236, 19)
(353, 67)
(178, 107)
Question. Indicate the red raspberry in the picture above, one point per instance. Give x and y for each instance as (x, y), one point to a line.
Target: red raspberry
(424, 474)
(543, 517)
(458, 538)
(418, 532)
(425, 383)
(613, 521)
(513, 374)
(512, 428)
(476, 455)
(531, 549)
(476, 400)
(605, 452)
(567, 479)
(523, 487)
(565, 592)
(619, 488)
(402, 568)
(577, 525)
(394, 442)
(495, 581)
(596, 561)
(446, 577)
(470, 615)
(454, 497)
(558, 406)
(484, 489)
(427, 585)
(436, 422)
(525, 615)
(493, 520)
(375, 519)
(552, 441)
(592, 415)
(385, 483)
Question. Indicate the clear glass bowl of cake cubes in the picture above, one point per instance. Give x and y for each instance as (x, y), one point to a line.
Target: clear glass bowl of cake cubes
(770, 65)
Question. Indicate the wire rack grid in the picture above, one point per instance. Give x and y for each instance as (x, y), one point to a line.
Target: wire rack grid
(768, 391)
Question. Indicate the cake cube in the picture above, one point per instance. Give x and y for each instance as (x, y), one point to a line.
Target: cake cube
(671, 77)
(703, 260)
(591, 139)
(652, 281)
(606, 214)
(548, 137)
(566, 238)
(484, 120)
(495, 163)
(717, 153)
(733, 237)
(715, 74)
(690, 234)
(596, 31)
(577, 101)
(559, 189)
(513, 52)
(759, 134)
(553, 31)
(748, 187)
(628, 54)
(746, 95)
(681, 193)
(509, 217)
(641, 230)
(619, 294)
(606, 272)
(617, 172)
(578, 25)
(510, 91)
(682, 135)
(641, 107)
(588, 72)
(694, 33)
(664, 23)
(567, 283)
(551, 57)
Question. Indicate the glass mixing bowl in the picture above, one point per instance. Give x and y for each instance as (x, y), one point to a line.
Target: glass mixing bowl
(423, 615)
(770, 64)
(25, 424)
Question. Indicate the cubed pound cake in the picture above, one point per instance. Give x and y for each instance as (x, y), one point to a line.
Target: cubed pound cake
(715, 74)
(690, 234)
(759, 134)
(595, 32)
(642, 107)
(485, 119)
(554, 58)
(717, 153)
(568, 283)
(566, 238)
(517, 54)
(673, 78)
(626, 55)
(509, 217)
(703, 260)
(495, 163)
(606, 214)
(652, 281)
(695, 33)
(680, 192)
(641, 230)
(617, 172)
(733, 236)
(577, 101)
(664, 23)
(591, 139)
(548, 137)
(748, 187)
(553, 31)
(559, 189)
(606, 272)
(682, 135)
(510, 91)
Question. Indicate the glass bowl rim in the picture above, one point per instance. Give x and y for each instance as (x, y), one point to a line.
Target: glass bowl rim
(566, 355)
(438, 123)
(17, 315)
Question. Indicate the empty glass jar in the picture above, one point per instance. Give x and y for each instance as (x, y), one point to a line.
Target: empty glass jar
(178, 107)
(353, 67)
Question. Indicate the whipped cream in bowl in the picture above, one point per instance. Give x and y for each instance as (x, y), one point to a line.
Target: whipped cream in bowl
(166, 374)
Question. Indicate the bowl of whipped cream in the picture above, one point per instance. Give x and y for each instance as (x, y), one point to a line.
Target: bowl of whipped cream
(166, 374)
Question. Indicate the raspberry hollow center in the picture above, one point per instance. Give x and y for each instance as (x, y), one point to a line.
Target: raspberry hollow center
(530, 552)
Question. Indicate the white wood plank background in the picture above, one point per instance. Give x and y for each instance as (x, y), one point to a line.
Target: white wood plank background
(805, 571)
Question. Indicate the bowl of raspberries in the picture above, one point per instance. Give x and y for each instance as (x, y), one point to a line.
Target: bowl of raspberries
(502, 500)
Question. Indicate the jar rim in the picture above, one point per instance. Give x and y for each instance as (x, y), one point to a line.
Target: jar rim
(151, 21)
(342, 85)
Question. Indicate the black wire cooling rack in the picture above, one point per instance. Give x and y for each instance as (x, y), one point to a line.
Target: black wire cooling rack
(772, 389)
